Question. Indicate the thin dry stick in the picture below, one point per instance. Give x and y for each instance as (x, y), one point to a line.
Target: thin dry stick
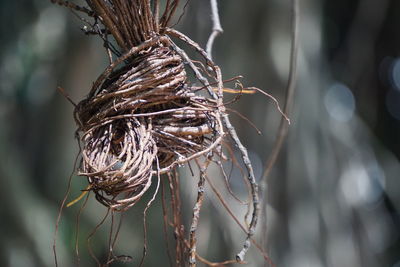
(275, 101)
(116, 235)
(230, 212)
(253, 186)
(62, 208)
(217, 28)
(145, 213)
(246, 160)
(228, 126)
(283, 127)
(89, 238)
(240, 115)
(228, 186)
(196, 214)
(110, 237)
(203, 260)
(77, 228)
(73, 6)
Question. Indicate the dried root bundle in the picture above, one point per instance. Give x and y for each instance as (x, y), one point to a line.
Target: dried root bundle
(142, 108)
(143, 116)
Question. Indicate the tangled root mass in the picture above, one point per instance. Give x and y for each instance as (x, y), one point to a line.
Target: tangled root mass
(139, 112)
(143, 116)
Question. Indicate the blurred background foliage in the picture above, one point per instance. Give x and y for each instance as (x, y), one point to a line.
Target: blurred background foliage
(333, 196)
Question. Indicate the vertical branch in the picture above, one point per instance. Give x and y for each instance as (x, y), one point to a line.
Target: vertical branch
(290, 89)
(217, 28)
(253, 186)
(228, 125)
(196, 214)
(283, 127)
(232, 132)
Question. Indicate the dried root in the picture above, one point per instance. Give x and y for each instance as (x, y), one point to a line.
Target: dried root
(143, 116)
(142, 110)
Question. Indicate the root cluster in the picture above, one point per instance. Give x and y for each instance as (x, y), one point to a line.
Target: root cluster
(142, 116)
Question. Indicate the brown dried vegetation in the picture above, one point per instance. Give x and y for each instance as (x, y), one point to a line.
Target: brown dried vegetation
(143, 117)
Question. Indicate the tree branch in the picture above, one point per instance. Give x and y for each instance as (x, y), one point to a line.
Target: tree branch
(217, 28)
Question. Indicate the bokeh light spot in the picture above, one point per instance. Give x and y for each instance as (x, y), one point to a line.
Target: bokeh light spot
(361, 185)
(339, 102)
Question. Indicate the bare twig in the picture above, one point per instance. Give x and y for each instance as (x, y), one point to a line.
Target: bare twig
(216, 29)
(61, 210)
(230, 212)
(196, 214)
(73, 6)
(283, 127)
(77, 229)
(284, 123)
(253, 186)
(231, 130)
(144, 215)
(89, 238)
